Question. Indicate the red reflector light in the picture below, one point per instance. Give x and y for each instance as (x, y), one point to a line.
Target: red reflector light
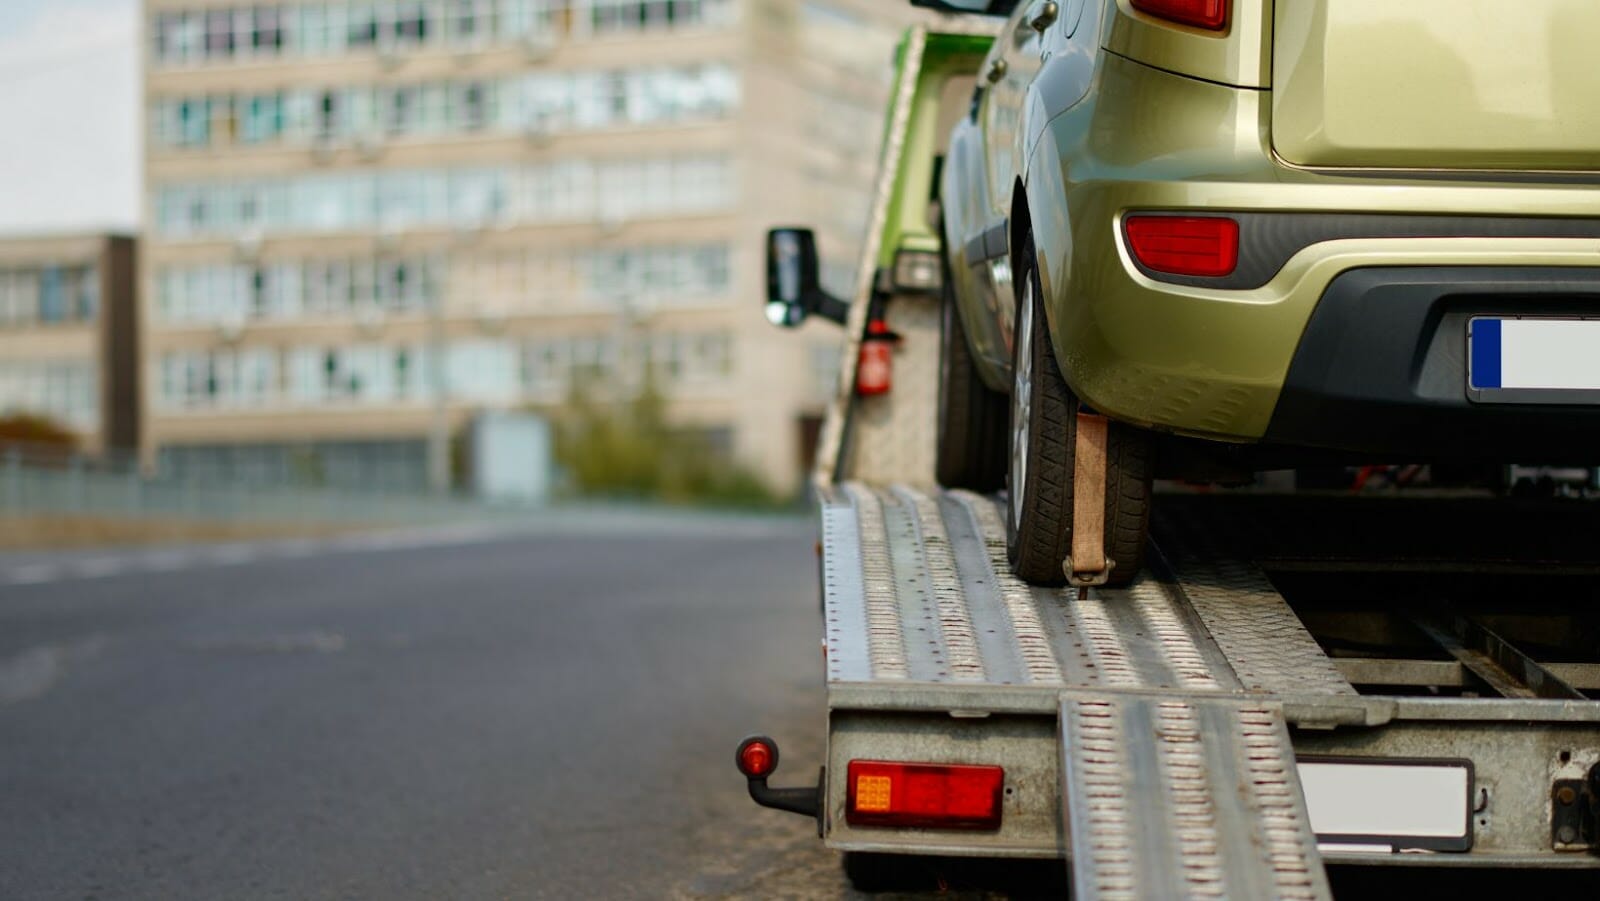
(1208, 14)
(1184, 245)
(758, 757)
(926, 795)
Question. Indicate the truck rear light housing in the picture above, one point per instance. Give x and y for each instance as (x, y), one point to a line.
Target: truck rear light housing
(924, 795)
(1212, 15)
(918, 270)
(1206, 246)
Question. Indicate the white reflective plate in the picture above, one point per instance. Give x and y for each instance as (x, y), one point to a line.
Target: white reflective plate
(1387, 804)
(1534, 354)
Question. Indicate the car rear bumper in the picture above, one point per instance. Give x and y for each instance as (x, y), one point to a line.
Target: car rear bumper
(1382, 367)
(1209, 358)
(1250, 364)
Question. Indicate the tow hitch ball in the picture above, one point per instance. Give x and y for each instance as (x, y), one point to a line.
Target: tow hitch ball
(1575, 812)
(757, 758)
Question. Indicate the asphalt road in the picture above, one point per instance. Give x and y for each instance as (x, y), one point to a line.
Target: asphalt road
(461, 713)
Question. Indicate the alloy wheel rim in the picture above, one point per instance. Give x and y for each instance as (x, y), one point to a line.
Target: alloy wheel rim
(1021, 404)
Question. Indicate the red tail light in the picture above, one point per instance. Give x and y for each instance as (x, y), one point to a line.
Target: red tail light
(925, 795)
(1211, 15)
(1184, 245)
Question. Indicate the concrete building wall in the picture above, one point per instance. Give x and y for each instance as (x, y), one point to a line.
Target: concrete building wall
(576, 191)
(67, 351)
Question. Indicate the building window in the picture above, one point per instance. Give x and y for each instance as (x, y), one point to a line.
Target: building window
(266, 38)
(572, 190)
(65, 391)
(363, 25)
(53, 306)
(310, 28)
(219, 33)
(549, 102)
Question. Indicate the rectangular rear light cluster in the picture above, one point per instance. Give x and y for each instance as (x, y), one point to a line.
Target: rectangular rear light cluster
(924, 795)
(1206, 246)
(1211, 15)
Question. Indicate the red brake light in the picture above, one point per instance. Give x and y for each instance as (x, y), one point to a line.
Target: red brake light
(1184, 245)
(926, 795)
(1211, 15)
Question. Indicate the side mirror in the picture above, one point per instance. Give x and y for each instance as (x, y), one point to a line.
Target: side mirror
(794, 289)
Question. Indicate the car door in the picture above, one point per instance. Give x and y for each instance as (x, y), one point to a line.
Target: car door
(1019, 52)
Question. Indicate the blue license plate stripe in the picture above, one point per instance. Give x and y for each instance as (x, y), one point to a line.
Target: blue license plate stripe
(1485, 368)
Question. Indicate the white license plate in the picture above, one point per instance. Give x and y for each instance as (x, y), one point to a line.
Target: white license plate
(1388, 805)
(1533, 354)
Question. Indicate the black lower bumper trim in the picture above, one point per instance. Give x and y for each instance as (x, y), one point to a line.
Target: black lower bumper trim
(1381, 369)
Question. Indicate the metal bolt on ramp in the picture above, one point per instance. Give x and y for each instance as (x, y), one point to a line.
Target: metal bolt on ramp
(1184, 797)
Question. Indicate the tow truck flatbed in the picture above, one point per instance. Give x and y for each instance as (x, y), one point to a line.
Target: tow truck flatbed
(1293, 680)
(1150, 704)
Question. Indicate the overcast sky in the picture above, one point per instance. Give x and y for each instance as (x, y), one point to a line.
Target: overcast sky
(69, 126)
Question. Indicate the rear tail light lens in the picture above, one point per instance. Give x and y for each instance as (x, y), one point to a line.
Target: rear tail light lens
(1211, 15)
(924, 795)
(1184, 245)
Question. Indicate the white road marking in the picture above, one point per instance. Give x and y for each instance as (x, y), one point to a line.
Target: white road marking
(232, 554)
(166, 561)
(97, 567)
(34, 573)
(177, 559)
(238, 553)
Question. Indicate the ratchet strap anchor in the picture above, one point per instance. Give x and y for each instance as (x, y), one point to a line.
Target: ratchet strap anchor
(1088, 564)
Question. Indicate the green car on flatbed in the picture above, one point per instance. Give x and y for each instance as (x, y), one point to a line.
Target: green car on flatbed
(1252, 234)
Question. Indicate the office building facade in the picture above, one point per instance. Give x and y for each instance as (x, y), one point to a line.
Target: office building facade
(368, 221)
(68, 330)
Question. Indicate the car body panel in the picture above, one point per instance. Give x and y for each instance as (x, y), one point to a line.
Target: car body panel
(1044, 73)
(1125, 113)
(1214, 366)
(1240, 55)
(1475, 84)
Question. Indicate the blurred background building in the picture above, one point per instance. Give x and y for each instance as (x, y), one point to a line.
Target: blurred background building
(68, 337)
(368, 221)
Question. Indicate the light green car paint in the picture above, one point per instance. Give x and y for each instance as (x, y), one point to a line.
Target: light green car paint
(1173, 119)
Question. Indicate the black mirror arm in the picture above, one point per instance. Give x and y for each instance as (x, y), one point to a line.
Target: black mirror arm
(831, 308)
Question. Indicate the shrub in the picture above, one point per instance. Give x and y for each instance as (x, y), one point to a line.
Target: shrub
(628, 450)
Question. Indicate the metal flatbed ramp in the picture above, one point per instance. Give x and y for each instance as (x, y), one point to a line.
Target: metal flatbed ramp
(1169, 797)
(1178, 775)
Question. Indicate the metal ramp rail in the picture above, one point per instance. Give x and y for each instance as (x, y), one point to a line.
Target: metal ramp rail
(1178, 776)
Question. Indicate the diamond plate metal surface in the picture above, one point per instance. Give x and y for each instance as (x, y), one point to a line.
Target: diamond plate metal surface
(924, 577)
(1184, 797)
(1027, 628)
(885, 642)
(1266, 644)
(955, 620)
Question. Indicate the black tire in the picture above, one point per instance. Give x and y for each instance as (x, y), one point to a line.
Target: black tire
(970, 441)
(1040, 463)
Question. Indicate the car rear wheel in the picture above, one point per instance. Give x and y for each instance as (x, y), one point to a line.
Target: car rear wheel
(1040, 467)
(970, 441)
